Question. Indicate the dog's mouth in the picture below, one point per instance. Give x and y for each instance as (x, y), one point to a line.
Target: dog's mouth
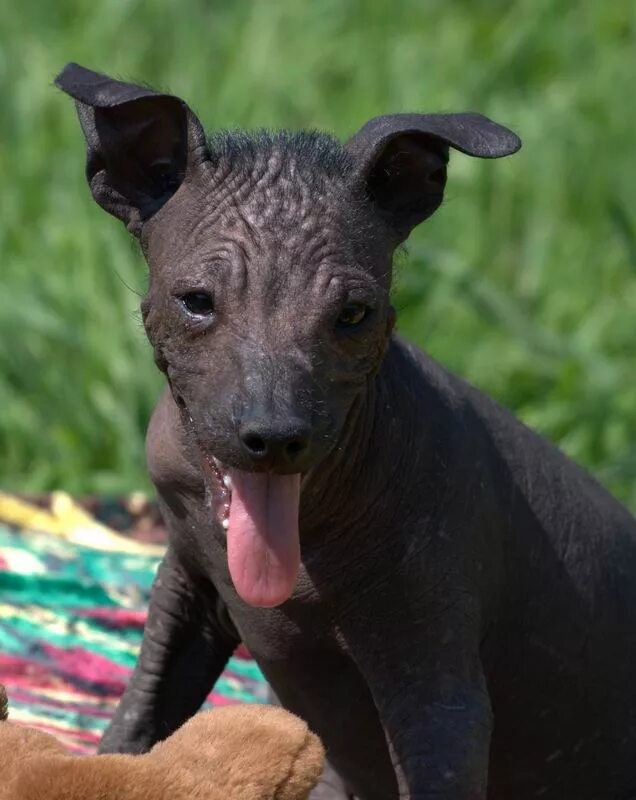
(259, 512)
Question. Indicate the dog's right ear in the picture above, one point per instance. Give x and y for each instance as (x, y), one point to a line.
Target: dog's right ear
(401, 160)
(141, 143)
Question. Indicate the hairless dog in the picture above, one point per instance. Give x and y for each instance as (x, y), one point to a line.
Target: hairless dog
(446, 599)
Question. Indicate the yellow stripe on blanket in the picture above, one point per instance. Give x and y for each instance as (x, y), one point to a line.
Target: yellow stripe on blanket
(70, 522)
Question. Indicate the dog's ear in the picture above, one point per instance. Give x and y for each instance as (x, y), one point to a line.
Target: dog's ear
(141, 143)
(401, 160)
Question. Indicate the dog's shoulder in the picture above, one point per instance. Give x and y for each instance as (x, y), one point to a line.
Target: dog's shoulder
(523, 460)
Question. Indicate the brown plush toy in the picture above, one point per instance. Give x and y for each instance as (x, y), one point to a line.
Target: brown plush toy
(244, 752)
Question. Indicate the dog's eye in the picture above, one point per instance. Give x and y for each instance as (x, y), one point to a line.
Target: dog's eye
(352, 314)
(200, 304)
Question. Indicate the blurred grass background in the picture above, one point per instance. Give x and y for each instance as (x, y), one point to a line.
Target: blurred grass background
(524, 282)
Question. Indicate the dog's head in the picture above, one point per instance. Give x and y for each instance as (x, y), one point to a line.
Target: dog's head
(270, 267)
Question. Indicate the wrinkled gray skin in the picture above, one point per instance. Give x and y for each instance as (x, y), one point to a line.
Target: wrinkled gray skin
(464, 621)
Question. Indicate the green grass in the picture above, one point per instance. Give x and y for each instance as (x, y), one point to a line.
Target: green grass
(524, 282)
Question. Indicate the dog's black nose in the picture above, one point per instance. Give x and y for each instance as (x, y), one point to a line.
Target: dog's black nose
(277, 445)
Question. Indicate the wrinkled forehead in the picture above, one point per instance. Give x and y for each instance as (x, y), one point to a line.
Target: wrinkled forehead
(279, 202)
(278, 183)
(289, 205)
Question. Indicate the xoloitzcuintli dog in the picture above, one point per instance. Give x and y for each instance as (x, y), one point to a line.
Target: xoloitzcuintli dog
(445, 598)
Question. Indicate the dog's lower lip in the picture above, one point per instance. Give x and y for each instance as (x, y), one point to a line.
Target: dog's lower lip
(217, 471)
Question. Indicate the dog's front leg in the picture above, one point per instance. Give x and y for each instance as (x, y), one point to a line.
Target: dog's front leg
(185, 648)
(439, 745)
(426, 679)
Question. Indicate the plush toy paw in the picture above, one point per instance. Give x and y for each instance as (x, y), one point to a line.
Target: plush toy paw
(246, 752)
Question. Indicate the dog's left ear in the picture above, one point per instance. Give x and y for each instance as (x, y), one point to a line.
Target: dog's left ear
(401, 160)
(141, 143)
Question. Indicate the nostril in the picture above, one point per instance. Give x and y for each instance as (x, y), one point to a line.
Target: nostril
(255, 444)
(278, 444)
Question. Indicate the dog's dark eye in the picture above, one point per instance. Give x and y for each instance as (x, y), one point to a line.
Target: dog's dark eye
(199, 303)
(352, 314)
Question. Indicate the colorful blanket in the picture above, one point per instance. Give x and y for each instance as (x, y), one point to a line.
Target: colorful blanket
(73, 593)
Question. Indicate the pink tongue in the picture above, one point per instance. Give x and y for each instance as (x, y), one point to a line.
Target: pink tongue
(263, 548)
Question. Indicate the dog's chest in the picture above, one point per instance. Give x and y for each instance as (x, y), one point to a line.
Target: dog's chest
(310, 668)
(309, 665)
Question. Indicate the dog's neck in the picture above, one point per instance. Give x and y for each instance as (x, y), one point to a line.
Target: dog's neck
(350, 489)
